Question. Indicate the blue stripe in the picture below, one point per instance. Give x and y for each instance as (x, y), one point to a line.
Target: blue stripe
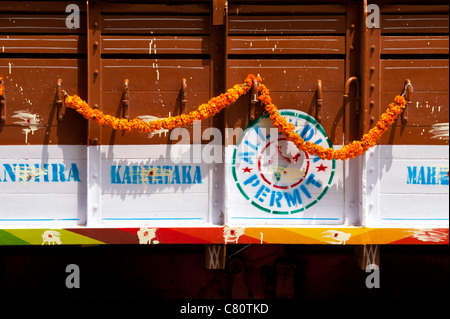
(175, 218)
(284, 218)
(414, 218)
(35, 219)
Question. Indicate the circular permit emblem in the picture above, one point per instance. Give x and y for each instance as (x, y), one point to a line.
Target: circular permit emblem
(273, 174)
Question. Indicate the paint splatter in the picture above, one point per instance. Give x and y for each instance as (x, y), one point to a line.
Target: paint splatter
(149, 118)
(339, 237)
(232, 234)
(147, 236)
(429, 235)
(29, 120)
(440, 131)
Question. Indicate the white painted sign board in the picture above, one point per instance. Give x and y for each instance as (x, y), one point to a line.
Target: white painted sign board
(42, 184)
(407, 185)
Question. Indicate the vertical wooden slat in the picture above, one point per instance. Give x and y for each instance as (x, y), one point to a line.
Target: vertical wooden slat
(94, 99)
(94, 67)
(371, 70)
(218, 49)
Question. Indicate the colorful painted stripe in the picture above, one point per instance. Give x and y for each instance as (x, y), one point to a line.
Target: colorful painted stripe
(226, 235)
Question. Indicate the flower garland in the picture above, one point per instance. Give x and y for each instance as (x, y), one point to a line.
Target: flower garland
(216, 104)
(352, 150)
(1, 85)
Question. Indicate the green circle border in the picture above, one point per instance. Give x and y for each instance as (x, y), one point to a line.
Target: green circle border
(303, 116)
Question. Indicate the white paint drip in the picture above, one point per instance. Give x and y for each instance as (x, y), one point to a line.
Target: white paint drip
(149, 118)
(29, 120)
(440, 131)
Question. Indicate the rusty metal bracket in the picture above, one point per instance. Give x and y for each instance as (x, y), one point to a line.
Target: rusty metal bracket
(407, 93)
(183, 95)
(126, 100)
(319, 101)
(2, 102)
(347, 92)
(60, 101)
(220, 8)
(253, 100)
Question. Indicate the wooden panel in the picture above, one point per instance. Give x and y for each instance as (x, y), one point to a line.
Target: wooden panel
(163, 9)
(414, 45)
(426, 109)
(429, 100)
(39, 6)
(332, 110)
(42, 74)
(155, 74)
(148, 106)
(41, 103)
(43, 135)
(43, 23)
(243, 9)
(286, 25)
(286, 45)
(67, 44)
(425, 75)
(414, 24)
(154, 90)
(401, 135)
(415, 8)
(155, 45)
(30, 88)
(293, 85)
(290, 75)
(155, 24)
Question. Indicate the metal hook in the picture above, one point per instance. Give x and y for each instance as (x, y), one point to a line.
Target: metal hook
(126, 100)
(347, 92)
(319, 101)
(253, 99)
(183, 94)
(60, 101)
(407, 93)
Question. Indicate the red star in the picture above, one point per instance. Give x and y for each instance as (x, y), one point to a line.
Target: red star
(247, 170)
(321, 168)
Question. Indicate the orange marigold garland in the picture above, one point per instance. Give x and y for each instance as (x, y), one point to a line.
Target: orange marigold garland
(352, 150)
(216, 104)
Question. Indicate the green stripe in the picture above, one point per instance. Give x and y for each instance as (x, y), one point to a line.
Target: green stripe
(262, 208)
(233, 170)
(233, 160)
(8, 239)
(297, 210)
(331, 177)
(311, 204)
(242, 191)
(323, 193)
(280, 213)
(34, 237)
